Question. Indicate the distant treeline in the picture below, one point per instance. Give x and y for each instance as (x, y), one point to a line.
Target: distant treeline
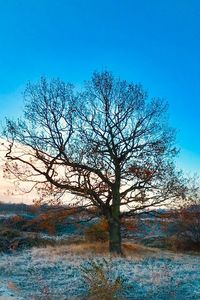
(20, 208)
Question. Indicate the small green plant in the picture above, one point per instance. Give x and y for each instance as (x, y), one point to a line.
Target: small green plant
(97, 275)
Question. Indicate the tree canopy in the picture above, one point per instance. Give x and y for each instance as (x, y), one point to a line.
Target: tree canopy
(109, 146)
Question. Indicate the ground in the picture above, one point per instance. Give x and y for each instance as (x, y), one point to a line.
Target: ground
(36, 265)
(55, 273)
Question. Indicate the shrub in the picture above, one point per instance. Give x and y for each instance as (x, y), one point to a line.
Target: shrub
(187, 222)
(100, 285)
(9, 233)
(189, 227)
(97, 232)
(178, 243)
(186, 235)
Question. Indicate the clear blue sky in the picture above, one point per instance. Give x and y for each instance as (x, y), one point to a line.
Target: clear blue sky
(154, 42)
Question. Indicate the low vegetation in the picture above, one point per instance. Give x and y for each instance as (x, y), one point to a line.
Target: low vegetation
(173, 230)
(78, 256)
(97, 232)
(97, 276)
(56, 273)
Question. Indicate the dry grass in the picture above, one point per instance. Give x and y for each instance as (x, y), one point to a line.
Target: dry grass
(82, 248)
(102, 248)
(91, 249)
(56, 272)
(132, 249)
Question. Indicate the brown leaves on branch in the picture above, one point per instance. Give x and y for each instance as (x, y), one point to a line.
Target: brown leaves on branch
(141, 172)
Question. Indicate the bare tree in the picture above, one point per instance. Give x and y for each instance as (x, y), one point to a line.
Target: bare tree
(109, 146)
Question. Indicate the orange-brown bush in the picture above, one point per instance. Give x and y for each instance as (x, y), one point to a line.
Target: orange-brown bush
(47, 221)
(187, 228)
(97, 231)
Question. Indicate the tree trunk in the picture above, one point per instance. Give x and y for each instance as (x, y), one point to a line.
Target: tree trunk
(115, 235)
(114, 218)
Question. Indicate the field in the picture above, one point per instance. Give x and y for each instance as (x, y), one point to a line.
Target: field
(56, 270)
(54, 273)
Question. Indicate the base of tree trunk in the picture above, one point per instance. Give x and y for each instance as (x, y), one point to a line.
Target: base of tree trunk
(115, 249)
(115, 237)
